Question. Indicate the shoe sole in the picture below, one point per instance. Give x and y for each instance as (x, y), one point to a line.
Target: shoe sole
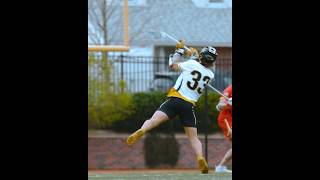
(223, 172)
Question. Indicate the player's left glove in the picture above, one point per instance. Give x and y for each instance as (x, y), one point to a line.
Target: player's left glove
(180, 45)
(218, 108)
(180, 51)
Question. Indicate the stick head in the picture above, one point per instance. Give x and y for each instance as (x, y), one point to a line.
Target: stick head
(155, 35)
(163, 34)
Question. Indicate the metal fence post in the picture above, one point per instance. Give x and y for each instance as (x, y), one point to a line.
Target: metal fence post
(121, 75)
(206, 122)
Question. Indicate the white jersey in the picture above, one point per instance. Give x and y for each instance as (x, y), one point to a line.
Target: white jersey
(194, 76)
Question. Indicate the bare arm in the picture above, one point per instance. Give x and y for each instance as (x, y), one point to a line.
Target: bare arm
(175, 67)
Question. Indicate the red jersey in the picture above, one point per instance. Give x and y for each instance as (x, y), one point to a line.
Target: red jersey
(227, 92)
(226, 113)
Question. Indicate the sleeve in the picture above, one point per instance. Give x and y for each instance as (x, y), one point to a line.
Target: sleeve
(176, 57)
(212, 77)
(186, 66)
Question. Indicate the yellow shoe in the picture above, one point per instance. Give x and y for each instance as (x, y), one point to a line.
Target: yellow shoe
(135, 136)
(203, 166)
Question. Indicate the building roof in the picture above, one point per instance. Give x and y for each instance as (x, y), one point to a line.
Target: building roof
(182, 19)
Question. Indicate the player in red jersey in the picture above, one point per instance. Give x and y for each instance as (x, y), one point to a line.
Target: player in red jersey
(225, 124)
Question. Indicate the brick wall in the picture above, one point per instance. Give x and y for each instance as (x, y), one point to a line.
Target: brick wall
(112, 152)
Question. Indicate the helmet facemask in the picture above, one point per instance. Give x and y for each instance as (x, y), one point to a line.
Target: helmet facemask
(208, 56)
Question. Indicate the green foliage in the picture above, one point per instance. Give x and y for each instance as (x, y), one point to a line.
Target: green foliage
(109, 109)
(104, 106)
(212, 113)
(122, 85)
(145, 104)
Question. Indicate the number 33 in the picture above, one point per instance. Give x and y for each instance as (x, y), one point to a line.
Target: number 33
(197, 77)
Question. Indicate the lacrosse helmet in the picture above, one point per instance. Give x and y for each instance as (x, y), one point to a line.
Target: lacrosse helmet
(208, 55)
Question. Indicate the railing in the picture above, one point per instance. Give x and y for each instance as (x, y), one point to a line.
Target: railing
(141, 74)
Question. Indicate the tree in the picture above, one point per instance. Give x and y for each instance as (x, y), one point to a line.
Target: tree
(98, 14)
(104, 15)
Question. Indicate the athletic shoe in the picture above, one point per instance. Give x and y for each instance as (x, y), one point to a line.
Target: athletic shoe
(222, 169)
(135, 136)
(203, 166)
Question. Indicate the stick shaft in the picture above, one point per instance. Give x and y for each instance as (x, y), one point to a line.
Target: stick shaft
(216, 90)
(227, 124)
(175, 40)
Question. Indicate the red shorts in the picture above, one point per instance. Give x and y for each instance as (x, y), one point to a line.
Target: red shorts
(222, 124)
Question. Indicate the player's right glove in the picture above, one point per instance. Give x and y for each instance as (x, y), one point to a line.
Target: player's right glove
(230, 101)
(221, 105)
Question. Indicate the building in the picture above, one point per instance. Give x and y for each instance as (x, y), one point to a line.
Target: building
(199, 22)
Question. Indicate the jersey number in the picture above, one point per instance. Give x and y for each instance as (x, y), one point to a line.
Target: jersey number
(196, 78)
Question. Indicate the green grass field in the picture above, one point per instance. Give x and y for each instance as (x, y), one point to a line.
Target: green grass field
(154, 175)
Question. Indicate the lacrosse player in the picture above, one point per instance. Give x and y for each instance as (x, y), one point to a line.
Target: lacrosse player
(183, 97)
(225, 124)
